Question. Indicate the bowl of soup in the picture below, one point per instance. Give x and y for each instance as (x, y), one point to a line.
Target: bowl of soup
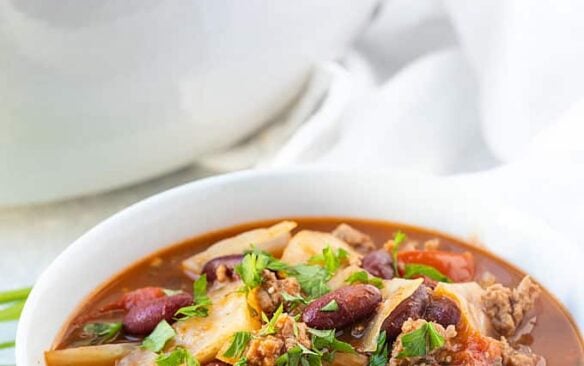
(308, 267)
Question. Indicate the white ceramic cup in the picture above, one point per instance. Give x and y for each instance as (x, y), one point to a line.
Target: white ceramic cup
(226, 200)
(98, 94)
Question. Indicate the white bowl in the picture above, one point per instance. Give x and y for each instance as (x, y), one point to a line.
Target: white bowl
(98, 94)
(226, 200)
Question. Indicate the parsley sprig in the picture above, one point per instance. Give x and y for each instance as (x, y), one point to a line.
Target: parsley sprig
(330, 259)
(178, 357)
(324, 346)
(100, 333)
(156, 341)
(252, 265)
(270, 327)
(416, 270)
(365, 278)
(202, 302)
(312, 279)
(421, 341)
(330, 307)
(238, 344)
(381, 355)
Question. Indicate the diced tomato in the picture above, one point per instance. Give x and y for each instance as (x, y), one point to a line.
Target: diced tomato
(459, 267)
(478, 350)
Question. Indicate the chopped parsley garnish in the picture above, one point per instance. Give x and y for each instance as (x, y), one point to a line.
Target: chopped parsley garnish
(100, 333)
(325, 340)
(238, 344)
(312, 279)
(270, 327)
(415, 270)
(398, 238)
(156, 341)
(381, 355)
(253, 264)
(329, 259)
(324, 347)
(241, 362)
(293, 300)
(178, 357)
(421, 341)
(299, 355)
(202, 302)
(332, 306)
(363, 277)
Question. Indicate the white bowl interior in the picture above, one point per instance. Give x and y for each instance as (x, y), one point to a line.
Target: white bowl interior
(226, 200)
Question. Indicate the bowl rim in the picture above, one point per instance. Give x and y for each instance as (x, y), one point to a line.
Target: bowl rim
(161, 199)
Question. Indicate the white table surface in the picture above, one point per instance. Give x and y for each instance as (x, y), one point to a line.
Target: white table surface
(32, 236)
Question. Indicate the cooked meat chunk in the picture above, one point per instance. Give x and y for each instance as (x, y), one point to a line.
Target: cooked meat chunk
(358, 240)
(519, 357)
(285, 326)
(264, 351)
(507, 307)
(432, 244)
(436, 357)
(269, 295)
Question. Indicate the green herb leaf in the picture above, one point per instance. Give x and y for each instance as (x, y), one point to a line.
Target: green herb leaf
(416, 270)
(178, 357)
(9, 344)
(326, 340)
(100, 333)
(202, 302)
(253, 264)
(293, 300)
(156, 341)
(241, 362)
(300, 355)
(398, 238)
(381, 355)
(363, 277)
(330, 259)
(14, 295)
(12, 311)
(270, 327)
(421, 341)
(330, 307)
(312, 279)
(238, 344)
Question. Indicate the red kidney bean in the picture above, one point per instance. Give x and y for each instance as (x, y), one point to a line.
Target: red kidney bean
(354, 302)
(442, 311)
(229, 261)
(412, 307)
(379, 263)
(143, 318)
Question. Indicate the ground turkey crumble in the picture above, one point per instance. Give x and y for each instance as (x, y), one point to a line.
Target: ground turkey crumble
(355, 238)
(519, 357)
(507, 307)
(434, 358)
(265, 350)
(269, 294)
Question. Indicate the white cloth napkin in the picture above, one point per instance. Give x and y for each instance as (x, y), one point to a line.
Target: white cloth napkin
(487, 93)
